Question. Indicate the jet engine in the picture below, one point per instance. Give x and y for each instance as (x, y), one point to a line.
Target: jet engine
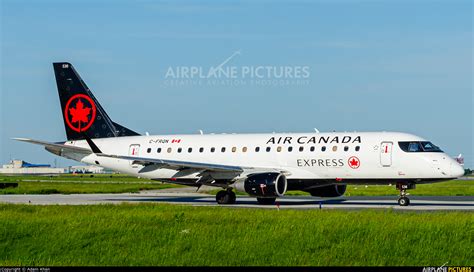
(328, 190)
(263, 185)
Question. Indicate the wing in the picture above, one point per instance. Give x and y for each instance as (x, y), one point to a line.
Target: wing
(210, 174)
(176, 165)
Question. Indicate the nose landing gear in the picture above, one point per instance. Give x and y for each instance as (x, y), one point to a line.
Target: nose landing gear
(403, 201)
(402, 187)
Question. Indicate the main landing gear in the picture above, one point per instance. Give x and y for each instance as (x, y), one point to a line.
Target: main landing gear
(404, 200)
(226, 197)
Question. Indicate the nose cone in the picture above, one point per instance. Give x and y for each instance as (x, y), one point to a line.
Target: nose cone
(457, 170)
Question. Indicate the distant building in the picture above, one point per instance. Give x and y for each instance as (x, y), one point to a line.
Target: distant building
(88, 169)
(19, 167)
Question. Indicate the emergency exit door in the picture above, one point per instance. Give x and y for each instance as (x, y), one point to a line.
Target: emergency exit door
(386, 154)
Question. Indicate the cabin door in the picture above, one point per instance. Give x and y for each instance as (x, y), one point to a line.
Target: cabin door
(386, 154)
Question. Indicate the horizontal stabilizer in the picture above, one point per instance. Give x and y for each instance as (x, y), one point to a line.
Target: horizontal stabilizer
(57, 147)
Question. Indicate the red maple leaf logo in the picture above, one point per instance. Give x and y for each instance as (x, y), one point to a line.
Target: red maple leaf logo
(80, 116)
(354, 162)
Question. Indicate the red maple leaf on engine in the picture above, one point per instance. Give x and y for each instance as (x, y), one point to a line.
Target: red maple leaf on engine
(80, 113)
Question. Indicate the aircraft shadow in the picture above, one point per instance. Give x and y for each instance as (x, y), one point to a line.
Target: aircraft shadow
(282, 202)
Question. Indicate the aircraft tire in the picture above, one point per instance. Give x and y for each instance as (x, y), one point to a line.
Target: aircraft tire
(404, 201)
(225, 197)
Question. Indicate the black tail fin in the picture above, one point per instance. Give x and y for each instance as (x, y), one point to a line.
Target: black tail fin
(82, 113)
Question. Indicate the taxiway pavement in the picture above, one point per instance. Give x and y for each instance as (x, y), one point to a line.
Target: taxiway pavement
(418, 203)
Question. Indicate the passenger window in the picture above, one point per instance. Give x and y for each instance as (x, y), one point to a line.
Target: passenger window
(290, 148)
(190, 150)
(323, 148)
(223, 149)
(279, 149)
(357, 148)
(257, 149)
(158, 150)
(213, 149)
(148, 150)
(268, 149)
(301, 149)
(201, 149)
(346, 148)
(312, 149)
(234, 149)
(169, 150)
(244, 149)
(334, 148)
(179, 150)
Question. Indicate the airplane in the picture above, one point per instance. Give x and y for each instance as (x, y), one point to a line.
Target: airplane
(264, 166)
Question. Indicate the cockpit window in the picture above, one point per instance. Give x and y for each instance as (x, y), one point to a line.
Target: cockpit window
(418, 147)
(429, 147)
(414, 147)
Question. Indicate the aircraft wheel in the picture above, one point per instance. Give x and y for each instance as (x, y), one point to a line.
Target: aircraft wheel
(225, 197)
(233, 197)
(403, 201)
(266, 201)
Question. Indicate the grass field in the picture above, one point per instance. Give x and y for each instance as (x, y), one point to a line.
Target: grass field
(182, 235)
(80, 184)
(78, 188)
(74, 177)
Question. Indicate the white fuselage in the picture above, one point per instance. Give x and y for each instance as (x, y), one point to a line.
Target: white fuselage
(342, 157)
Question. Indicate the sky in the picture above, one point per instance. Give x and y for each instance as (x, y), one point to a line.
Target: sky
(370, 66)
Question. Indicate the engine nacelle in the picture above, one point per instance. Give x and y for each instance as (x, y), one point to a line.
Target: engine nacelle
(328, 191)
(263, 185)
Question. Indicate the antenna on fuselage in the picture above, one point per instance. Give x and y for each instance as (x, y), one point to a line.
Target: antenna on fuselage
(147, 134)
(316, 130)
(201, 132)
